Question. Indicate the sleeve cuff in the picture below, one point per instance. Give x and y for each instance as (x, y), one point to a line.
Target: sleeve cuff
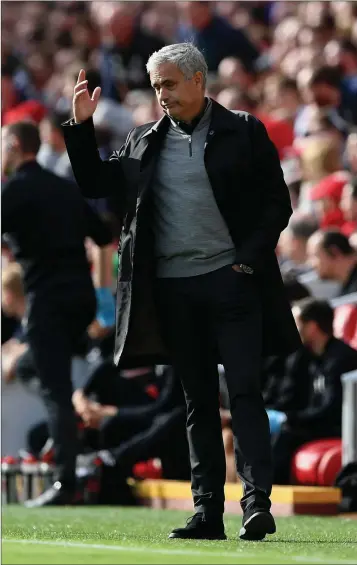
(72, 122)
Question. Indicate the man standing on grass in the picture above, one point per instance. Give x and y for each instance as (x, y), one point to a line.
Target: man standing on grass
(203, 204)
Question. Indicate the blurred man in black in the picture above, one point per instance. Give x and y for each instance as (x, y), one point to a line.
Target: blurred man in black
(329, 358)
(46, 221)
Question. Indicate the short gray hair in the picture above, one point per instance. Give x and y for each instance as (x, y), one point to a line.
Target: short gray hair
(187, 58)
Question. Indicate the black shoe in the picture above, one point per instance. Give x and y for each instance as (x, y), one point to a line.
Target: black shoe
(256, 524)
(54, 496)
(201, 527)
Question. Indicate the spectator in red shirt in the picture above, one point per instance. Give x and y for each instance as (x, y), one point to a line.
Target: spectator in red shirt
(327, 194)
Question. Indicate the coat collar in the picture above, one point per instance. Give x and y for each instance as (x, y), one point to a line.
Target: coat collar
(221, 120)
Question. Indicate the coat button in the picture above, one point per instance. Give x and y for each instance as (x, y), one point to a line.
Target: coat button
(211, 132)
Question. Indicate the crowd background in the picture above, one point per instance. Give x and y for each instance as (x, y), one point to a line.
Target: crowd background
(292, 64)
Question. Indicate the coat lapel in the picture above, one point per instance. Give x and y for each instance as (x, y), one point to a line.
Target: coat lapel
(147, 151)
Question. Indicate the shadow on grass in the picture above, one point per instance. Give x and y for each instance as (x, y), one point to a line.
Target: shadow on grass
(316, 541)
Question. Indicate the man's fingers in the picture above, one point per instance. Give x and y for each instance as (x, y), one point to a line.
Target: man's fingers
(96, 94)
(80, 85)
(81, 76)
(78, 94)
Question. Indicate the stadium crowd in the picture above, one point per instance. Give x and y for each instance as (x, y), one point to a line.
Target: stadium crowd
(294, 66)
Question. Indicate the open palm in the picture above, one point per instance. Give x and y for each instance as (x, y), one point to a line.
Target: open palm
(83, 105)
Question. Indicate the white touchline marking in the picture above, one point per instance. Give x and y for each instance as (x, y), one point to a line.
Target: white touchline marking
(172, 551)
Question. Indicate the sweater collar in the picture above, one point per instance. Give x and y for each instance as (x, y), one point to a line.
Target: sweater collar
(221, 120)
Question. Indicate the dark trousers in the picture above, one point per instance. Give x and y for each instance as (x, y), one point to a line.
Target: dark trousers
(202, 316)
(55, 326)
(163, 438)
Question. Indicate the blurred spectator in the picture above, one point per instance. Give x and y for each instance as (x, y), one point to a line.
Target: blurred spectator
(9, 97)
(327, 195)
(284, 379)
(125, 49)
(31, 80)
(13, 304)
(281, 132)
(351, 153)
(234, 99)
(282, 97)
(325, 94)
(293, 244)
(13, 297)
(232, 72)
(349, 207)
(322, 414)
(333, 257)
(136, 414)
(132, 426)
(53, 154)
(213, 35)
(348, 66)
(319, 157)
(31, 110)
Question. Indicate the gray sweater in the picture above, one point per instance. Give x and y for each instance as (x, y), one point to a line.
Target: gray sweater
(190, 233)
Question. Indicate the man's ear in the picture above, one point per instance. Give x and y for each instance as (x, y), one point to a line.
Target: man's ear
(198, 78)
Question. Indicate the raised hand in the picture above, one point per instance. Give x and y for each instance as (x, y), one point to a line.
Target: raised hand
(83, 105)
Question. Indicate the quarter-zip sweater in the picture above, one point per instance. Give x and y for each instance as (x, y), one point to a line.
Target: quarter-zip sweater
(191, 237)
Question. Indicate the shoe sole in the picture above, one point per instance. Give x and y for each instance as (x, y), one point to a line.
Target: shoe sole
(257, 526)
(180, 536)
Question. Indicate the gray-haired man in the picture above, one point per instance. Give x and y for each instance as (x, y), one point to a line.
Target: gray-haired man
(203, 204)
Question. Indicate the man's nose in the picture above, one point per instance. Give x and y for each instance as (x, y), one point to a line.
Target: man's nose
(163, 95)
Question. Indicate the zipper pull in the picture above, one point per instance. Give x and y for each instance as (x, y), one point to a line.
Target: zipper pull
(190, 145)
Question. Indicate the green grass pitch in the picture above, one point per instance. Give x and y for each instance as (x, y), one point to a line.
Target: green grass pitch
(139, 535)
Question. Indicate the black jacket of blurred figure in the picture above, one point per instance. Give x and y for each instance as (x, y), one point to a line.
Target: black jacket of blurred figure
(46, 221)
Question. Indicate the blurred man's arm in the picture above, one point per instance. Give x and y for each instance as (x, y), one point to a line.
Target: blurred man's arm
(14, 201)
(11, 351)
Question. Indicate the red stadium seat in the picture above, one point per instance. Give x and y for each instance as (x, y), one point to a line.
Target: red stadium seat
(306, 460)
(330, 465)
(345, 323)
(150, 469)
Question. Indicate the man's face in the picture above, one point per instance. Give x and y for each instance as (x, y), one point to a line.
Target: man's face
(307, 330)
(46, 132)
(194, 13)
(176, 95)
(7, 153)
(296, 248)
(325, 95)
(320, 260)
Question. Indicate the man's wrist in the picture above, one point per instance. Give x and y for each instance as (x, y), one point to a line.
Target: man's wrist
(243, 268)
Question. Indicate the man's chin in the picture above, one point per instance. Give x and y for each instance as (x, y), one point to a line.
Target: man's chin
(173, 112)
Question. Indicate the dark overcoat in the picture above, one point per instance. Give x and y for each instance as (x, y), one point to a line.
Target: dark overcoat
(247, 181)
